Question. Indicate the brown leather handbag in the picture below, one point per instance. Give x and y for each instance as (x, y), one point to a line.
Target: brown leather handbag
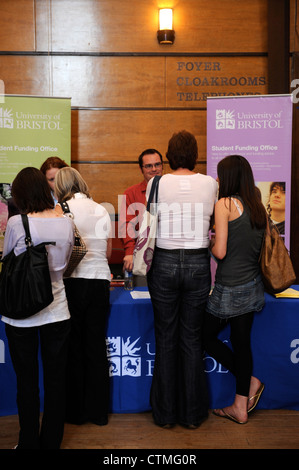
(79, 248)
(276, 266)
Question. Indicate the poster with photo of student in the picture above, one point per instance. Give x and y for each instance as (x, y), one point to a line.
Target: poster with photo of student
(260, 129)
(273, 198)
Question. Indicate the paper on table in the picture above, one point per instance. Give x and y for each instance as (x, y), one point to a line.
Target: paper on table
(137, 294)
(288, 293)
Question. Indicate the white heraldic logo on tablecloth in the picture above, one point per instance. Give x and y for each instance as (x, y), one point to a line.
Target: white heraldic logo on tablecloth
(123, 356)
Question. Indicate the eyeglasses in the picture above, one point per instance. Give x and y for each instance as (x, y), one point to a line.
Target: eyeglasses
(149, 166)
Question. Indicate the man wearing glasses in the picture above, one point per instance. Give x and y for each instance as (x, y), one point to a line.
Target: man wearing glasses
(151, 164)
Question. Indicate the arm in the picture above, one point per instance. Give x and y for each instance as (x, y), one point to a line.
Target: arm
(132, 209)
(125, 218)
(219, 243)
(10, 239)
(109, 239)
(128, 262)
(109, 248)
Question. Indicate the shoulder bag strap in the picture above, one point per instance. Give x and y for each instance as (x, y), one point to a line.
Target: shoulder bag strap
(154, 188)
(28, 240)
(65, 207)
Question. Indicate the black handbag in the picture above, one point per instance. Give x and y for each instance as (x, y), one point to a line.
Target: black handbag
(25, 283)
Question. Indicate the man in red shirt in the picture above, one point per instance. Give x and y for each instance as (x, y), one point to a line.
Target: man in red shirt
(151, 164)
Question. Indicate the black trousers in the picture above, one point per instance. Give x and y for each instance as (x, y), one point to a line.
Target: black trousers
(87, 368)
(239, 360)
(23, 346)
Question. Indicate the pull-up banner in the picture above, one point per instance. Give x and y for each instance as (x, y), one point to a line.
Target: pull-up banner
(260, 129)
(31, 130)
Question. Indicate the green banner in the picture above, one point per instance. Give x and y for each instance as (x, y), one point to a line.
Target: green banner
(32, 128)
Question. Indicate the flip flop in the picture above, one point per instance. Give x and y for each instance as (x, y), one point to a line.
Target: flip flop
(228, 416)
(256, 398)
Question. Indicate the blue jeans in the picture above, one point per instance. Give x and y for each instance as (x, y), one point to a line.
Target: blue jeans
(179, 284)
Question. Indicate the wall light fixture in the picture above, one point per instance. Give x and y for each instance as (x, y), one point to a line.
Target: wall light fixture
(165, 33)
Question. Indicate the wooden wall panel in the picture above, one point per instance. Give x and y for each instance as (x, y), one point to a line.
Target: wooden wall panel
(110, 81)
(17, 25)
(294, 27)
(134, 82)
(107, 182)
(26, 75)
(190, 80)
(121, 135)
(122, 26)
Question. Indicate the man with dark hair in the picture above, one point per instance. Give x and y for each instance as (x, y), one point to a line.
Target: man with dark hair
(151, 164)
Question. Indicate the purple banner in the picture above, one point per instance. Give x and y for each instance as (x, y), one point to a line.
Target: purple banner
(260, 129)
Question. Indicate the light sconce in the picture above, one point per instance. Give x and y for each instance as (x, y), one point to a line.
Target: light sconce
(165, 33)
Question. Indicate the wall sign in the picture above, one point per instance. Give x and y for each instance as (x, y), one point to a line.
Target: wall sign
(260, 129)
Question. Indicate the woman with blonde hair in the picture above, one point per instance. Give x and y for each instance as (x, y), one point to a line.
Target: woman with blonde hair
(87, 290)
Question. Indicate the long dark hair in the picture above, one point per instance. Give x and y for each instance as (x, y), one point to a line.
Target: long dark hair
(236, 178)
(31, 192)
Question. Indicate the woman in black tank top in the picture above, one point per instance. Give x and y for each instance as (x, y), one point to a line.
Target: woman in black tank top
(240, 220)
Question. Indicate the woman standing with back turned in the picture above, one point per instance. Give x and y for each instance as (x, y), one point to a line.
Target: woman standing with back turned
(87, 291)
(240, 221)
(179, 284)
(51, 326)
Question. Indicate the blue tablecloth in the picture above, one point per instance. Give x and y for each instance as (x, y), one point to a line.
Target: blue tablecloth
(275, 351)
(131, 353)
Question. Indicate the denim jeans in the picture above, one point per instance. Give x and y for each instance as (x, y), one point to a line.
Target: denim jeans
(179, 284)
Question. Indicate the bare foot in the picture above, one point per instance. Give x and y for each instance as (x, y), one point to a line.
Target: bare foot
(232, 412)
(238, 410)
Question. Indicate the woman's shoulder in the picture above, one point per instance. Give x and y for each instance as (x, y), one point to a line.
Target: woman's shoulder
(14, 225)
(14, 220)
(223, 204)
(208, 180)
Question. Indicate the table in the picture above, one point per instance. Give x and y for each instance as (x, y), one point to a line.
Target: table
(131, 353)
(131, 350)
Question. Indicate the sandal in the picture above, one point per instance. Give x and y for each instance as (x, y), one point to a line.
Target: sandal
(228, 416)
(256, 398)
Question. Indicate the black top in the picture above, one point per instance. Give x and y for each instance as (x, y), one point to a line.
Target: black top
(240, 265)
